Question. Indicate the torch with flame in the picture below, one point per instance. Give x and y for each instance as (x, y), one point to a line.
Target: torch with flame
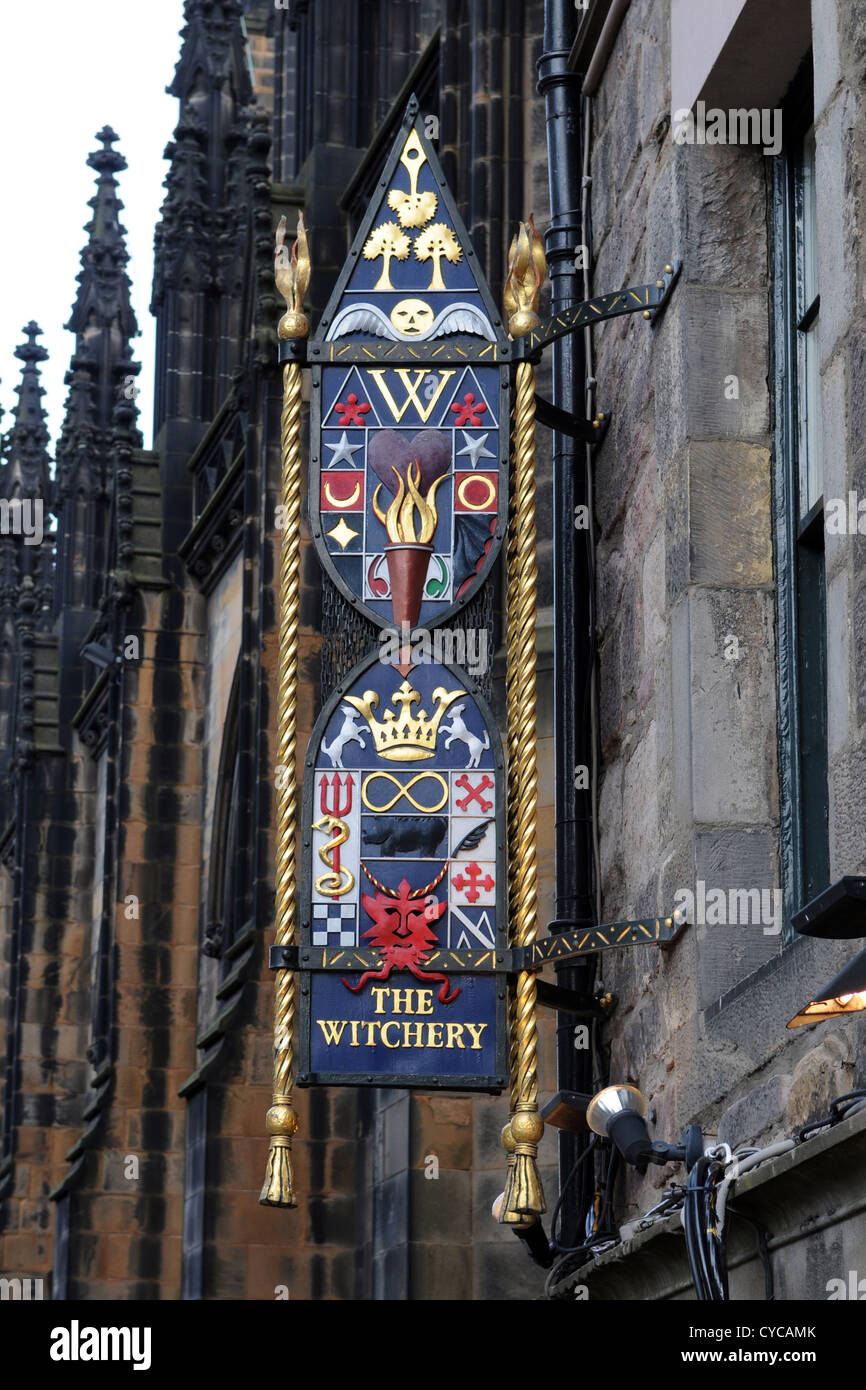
(411, 542)
(399, 520)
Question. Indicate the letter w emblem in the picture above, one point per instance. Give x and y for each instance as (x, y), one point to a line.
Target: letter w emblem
(425, 411)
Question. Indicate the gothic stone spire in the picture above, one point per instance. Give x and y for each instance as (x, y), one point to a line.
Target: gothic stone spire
(25, 471)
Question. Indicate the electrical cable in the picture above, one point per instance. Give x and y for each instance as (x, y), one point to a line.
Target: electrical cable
(704, 1247)
(763, 1251)
(566, 1249)
(742, 1163)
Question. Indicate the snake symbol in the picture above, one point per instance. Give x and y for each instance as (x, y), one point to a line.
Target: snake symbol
(338, 880)
(405, 789)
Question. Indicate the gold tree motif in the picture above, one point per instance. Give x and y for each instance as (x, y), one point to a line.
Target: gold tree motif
(437, 242)
(390, 243)
(413, 209)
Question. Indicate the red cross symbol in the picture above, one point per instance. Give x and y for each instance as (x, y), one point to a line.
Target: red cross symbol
(472, 882)
(353, 413)
(474, 793)
(468, 411)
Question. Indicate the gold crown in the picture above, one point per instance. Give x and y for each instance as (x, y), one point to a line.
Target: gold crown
(404, 738)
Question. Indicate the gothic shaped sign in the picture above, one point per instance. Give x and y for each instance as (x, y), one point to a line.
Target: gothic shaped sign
(410, 429)
(403, 893)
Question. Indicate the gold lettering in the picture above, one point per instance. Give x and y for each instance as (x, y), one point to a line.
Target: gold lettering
(476, 1029)
(411, 388)
(413, 1031)
(425, 1001)
(332, 1029)
(385, 1027)
(354, 1027)
(371, 1030)
(379, 996)
(434, 1034)
(455, 1035)
(401, 1001)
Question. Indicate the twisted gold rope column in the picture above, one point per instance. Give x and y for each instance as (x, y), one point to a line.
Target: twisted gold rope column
(292, 276)
(524, 1195)
(282, 1120)
(512, 802)
(523, 1199)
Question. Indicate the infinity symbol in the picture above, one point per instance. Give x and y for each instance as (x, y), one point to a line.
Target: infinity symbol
(405, 790)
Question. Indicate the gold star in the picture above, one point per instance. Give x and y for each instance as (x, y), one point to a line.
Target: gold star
(342, 533)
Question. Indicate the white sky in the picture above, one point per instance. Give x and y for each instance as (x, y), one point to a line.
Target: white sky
(67, 68)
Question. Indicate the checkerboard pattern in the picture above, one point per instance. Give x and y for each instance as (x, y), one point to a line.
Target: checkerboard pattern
(334, 924)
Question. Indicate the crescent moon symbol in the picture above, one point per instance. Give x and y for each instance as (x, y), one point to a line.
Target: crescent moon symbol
(342, 501)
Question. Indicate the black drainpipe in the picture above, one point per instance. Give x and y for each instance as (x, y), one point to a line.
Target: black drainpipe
(572, 579)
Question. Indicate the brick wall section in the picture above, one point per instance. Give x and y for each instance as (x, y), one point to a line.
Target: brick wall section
(52, 1076)
(135, 1222)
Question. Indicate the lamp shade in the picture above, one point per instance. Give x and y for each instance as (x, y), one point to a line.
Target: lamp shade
(845, 994)
(612, 1102)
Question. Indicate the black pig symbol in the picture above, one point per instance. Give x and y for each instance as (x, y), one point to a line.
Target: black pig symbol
(406, 834)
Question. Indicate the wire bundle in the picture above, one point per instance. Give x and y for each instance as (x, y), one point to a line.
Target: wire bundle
(704, 1242)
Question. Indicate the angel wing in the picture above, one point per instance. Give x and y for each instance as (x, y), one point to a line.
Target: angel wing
(363, 318)
(462, 318)
(369, 318)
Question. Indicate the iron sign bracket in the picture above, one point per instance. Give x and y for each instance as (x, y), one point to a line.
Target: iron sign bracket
(581, 940)
(568, 1001)
(651, 300)
(584, 939)
(587, 431)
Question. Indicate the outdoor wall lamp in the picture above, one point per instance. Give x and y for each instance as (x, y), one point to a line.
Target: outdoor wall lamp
(845, 994)
(618, 1113)
(837, 914)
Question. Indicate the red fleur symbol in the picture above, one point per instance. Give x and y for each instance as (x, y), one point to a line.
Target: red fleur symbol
(353, 413)
(474, 879)
(467, 413)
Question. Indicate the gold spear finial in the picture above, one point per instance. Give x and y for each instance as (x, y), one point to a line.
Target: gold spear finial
(527, 272)
(292, 274)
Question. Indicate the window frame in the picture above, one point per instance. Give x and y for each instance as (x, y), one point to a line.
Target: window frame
(799, 536)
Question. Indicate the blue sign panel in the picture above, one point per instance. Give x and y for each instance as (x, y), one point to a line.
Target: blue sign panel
(403, 924)
(410, 429)
(403, 895)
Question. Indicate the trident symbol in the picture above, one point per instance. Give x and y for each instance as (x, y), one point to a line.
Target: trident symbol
(337, 880)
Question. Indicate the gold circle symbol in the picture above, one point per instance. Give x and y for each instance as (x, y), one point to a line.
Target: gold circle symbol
(466, 483)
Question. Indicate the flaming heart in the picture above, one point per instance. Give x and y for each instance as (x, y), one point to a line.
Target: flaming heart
(391, 453)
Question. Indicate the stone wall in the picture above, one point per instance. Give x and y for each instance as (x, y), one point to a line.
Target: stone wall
(687, 603)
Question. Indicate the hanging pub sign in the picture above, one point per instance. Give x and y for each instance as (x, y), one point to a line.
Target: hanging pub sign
(394, 957)
(401, 900)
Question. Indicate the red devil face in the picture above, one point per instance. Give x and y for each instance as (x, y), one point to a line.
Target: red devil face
(403, 935)
(403, 923)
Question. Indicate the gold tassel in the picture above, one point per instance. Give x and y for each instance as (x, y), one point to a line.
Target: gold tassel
(278, 1188)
